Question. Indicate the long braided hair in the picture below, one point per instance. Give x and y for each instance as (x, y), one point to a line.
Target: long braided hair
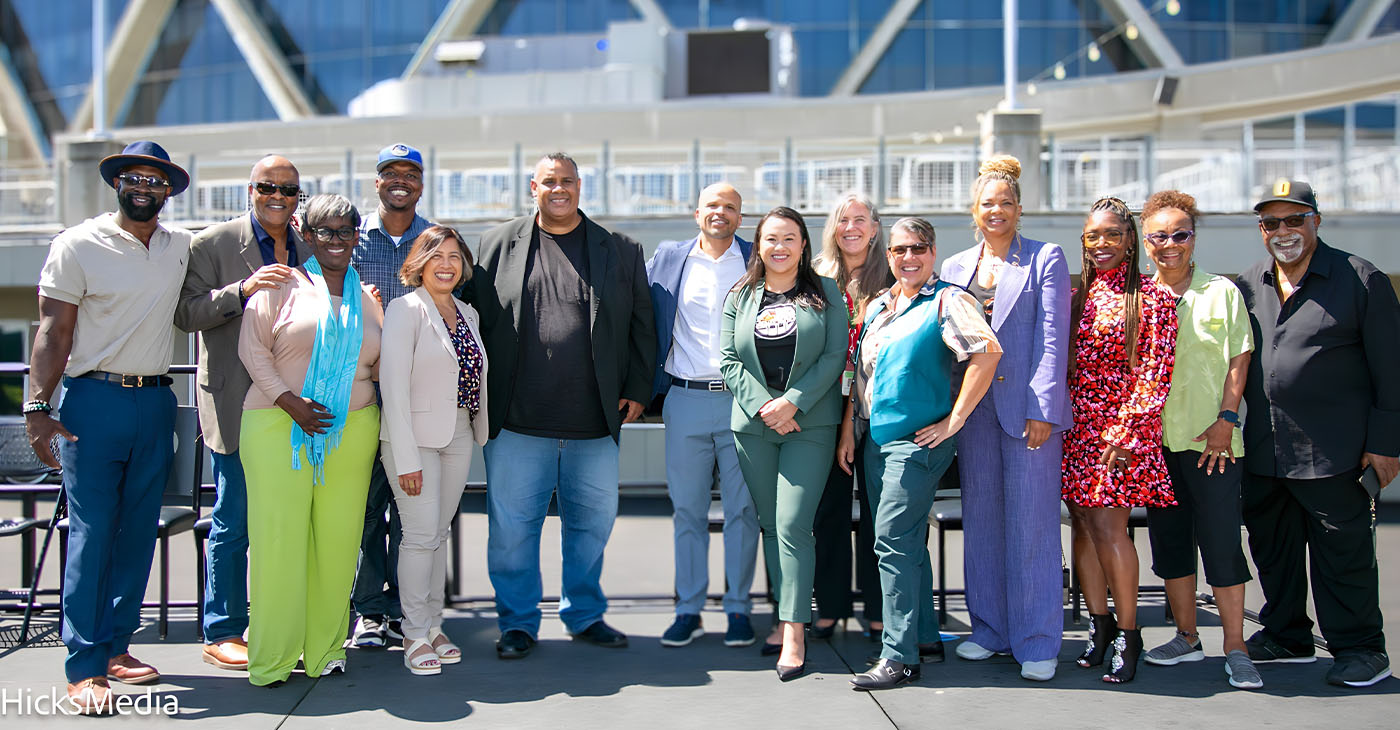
(1132, 288)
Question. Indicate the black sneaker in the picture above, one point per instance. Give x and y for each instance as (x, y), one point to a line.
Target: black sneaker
(514, 644)
(370, 632)
(393, 628)
(685, 629)
(601, 634)
(1264, 650)
(1359, 668)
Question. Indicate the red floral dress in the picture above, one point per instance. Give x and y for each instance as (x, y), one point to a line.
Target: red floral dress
(1111, 403)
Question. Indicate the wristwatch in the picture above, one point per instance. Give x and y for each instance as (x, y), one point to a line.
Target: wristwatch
(1231, 416)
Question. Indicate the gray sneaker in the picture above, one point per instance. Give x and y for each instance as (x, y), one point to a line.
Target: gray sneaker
(1176, 651)
(1240, 669)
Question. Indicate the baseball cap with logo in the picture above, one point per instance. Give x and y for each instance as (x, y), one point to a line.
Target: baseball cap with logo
(1288, 190)
(399, 152)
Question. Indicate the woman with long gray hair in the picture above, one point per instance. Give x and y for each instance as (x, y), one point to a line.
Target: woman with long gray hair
(853, 253)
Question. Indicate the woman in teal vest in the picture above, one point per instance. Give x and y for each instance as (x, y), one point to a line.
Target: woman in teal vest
(904, 414)
(783, 346)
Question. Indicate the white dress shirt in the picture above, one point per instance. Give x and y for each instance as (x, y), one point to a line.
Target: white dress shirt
(699, 308)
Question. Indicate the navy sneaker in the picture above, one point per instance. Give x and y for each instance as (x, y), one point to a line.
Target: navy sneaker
(1264, 650)
(740, 631)
(685, 629)
(1359, 668)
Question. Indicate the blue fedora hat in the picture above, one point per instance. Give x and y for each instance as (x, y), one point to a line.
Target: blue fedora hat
(145, 152)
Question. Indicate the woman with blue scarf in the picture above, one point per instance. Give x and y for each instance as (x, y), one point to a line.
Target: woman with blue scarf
(309, 432)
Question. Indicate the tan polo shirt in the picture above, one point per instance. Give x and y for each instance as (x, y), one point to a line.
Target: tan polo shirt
(125, 294)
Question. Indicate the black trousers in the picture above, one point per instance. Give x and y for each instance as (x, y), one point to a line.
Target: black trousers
(1331, 519)
(832, 529)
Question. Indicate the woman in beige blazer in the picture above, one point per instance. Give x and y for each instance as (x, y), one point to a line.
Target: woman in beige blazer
(432, 377)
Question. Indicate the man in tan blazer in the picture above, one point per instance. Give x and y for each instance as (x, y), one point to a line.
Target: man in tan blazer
(228, 263)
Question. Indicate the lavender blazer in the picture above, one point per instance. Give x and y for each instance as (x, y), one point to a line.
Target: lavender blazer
(1030, 316)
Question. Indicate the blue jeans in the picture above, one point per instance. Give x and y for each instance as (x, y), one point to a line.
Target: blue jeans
(379, 551)
(226, 582)
(522, 473)
(114, 474)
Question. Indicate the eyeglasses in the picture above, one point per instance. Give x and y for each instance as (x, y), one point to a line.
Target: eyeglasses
(918, 249)
(1292, 221)
(143, 181)
(326, 234)
(1160, 238)
(267, 188)
(393, 175)
(1094, 237)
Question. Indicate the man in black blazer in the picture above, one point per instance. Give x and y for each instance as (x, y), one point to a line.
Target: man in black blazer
(567, 322)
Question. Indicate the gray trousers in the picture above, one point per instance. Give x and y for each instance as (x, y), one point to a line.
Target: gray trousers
(699, 450)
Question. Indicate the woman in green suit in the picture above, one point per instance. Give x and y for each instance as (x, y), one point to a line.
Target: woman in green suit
(783, 349)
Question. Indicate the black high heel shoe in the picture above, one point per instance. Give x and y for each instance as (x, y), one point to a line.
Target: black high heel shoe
(1102, 629)
(825, 632)
(1127, 648)
(787, 674)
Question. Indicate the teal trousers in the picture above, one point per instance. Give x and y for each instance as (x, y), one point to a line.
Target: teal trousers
(786, 476)
(902, 478)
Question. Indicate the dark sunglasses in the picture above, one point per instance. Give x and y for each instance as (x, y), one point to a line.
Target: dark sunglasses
(1292, 221)
(143, 181)
(326, 234)
(267, 188)
(1112, 235)
(918, 249)
(1159, 238)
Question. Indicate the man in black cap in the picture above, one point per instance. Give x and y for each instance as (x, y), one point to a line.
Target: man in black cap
(386, 237)
(107, 296)
(1323, 412)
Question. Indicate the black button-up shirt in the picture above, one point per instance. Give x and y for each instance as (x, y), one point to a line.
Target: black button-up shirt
(268, 247)
(1324, 382)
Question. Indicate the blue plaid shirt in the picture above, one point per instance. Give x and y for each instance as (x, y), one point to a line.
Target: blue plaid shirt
(377, 259)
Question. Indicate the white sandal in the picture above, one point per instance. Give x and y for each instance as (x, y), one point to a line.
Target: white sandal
(448, 652)
(424, 664)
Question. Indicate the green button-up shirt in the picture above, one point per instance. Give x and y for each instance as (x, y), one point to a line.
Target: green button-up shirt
(1213, 329)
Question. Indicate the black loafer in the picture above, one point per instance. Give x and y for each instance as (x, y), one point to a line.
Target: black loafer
(888, 674)
(514, 644)
(601, 634)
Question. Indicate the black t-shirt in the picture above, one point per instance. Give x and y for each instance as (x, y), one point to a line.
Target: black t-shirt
(985, 295)
(556, 388)
(775, 336)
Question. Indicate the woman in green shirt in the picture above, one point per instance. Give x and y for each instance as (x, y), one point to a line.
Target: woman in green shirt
(1201, 441)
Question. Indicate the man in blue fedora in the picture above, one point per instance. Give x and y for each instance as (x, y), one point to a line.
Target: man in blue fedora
(107, 296)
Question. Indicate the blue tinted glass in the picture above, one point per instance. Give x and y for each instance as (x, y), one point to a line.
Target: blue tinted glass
(61, 43)
(966, 57)
(904, 66)
(213, 83)
(822, 55)
(548, 17)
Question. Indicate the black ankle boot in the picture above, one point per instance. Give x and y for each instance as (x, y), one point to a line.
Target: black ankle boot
(1102, 629)
(1126, 650)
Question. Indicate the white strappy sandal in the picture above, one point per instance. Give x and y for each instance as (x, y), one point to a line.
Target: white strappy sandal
(448, 652)
(422, 664)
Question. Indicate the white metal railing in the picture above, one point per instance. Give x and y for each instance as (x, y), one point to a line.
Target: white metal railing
(904, 178)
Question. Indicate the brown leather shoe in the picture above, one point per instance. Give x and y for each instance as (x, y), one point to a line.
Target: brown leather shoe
(91, 696)
(227, 654)
(127, 669)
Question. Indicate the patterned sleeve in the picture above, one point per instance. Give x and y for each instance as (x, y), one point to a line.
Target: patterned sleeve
(1139, 418)
(965, 330)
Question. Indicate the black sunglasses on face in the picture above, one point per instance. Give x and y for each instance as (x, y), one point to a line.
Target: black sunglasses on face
(142, 181)
(326, 234)
(1292, 221)
(267, 188)
(918, 249)
(1160, 238)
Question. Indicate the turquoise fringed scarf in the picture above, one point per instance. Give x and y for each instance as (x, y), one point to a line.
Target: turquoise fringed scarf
(331, 372)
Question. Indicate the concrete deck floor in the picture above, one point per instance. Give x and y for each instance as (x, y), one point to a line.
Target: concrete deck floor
(704, 685)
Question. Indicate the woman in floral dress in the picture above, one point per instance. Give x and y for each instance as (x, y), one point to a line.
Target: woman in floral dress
(1124, 339)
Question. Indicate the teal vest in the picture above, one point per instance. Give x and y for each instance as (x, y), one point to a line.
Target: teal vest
(913, 376)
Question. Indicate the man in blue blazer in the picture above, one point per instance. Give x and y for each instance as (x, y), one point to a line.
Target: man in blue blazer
(568, 329)
(689, 282)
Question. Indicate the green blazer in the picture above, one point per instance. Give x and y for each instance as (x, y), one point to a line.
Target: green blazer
(622, 330)
(817, 361)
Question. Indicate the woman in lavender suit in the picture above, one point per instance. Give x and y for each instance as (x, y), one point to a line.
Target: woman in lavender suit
(1010, 450)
